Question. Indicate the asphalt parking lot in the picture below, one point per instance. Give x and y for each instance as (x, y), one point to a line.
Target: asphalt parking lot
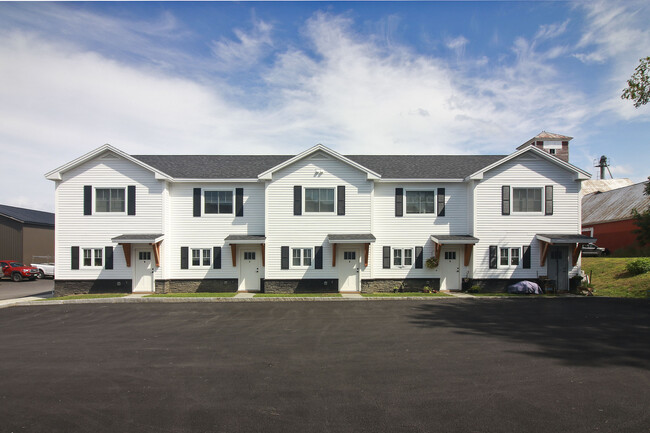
(446, 365)
(22, 289)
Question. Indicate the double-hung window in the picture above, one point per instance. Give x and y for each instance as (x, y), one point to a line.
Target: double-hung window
(218, 202)
(201, 257)
(509, 256)
(526, 199)
(109, 199)
(420, 202)
(93, 257)
(301, 257)
(402, 257)
(319, 199)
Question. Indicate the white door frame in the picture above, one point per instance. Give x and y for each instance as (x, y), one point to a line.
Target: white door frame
(136, 266)
(444, 266)
(242, 284)
(358, 257)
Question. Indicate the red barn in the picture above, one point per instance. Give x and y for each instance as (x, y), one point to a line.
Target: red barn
(607, 216)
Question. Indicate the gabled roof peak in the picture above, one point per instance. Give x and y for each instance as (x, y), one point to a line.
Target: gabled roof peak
(552, 136)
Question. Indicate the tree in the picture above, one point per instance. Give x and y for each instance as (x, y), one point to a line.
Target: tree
(638, 86)
(642, 220)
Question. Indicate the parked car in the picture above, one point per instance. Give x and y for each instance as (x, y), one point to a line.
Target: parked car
(44, 269)
(592, 250)
(17, 271)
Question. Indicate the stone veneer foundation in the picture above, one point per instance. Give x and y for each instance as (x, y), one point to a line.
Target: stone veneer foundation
(83, 287)
(221, 285)
(301, 286)
(407, 285)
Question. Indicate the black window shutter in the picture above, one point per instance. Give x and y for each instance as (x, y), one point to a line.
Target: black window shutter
(318, 257)
(441, 202)
(297, 202)
(88, 200)
(216, 264)
(399, 200)
(131, 199)
(184, 261)
(505, 200)
(386, 258)
(239, 202)
(548, 208)
(108, 258)
(340, 205)
(74, 257)
(197, 203)
(493, 256)
(418, 256)
(526, 261)
(284, 258)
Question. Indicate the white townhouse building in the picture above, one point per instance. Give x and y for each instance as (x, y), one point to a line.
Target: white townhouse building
(318, 221)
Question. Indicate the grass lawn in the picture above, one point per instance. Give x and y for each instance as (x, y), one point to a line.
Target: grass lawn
(193, 295)
(96, 296)
(386, 295)
(609, 277)
(298, 295)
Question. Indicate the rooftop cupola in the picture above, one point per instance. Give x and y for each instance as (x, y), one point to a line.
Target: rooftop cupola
(555, 144)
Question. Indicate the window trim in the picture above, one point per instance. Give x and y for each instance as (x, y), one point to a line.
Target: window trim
(542, 200)
(94, 198)
(402, 264)
(217, 214)
(433, 213)
(509, 250)
(202, 257)
(93, 257)
(302, 257)
(304, 200)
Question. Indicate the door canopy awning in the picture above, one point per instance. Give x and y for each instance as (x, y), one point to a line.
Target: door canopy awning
(138, 238)
(235, 240)
(556, 238)
(355, 238)
(466, 240)
(576, 240)
(153, 239)
(245, 239)
(352, 238)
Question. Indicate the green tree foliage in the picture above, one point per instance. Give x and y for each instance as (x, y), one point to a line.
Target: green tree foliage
(638, 86)
(642, 220)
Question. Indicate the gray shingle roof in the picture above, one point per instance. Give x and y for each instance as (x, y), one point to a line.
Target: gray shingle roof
(249, 166)
(27, 216)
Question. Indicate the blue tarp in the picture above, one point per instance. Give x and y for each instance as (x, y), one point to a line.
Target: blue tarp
(527, 287)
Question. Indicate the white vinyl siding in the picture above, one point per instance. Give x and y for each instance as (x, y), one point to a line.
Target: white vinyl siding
(311, 228)
(98, 229)
(519, 229)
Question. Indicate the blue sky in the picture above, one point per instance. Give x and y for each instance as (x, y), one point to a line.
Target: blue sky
(359, 77)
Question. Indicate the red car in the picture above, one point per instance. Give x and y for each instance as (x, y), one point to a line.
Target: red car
(17, 271)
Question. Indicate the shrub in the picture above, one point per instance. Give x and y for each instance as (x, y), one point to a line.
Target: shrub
(638, 266)
(475, 289)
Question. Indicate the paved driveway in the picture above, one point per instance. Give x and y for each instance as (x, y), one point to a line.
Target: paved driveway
(446, 365)
(11, 290)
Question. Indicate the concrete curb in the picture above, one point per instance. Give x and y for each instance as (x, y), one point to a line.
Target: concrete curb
(126, 300)
(35, 301)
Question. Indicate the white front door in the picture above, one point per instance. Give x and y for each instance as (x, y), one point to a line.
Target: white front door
(144, 269)
(349, 265)
(449, 268)
(249, 271)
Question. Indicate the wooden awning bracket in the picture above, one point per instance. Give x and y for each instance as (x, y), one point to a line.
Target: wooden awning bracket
(263, 255)
(576, 254)
(468, 253)
(366, 248)
(233, 252)
(543, 245)
(436, 250)
(126, 248)
(156, 252)
(333, 255)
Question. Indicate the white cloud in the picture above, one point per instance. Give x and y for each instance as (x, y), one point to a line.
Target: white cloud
(349, 92)
(457, 45)
(246, 50)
